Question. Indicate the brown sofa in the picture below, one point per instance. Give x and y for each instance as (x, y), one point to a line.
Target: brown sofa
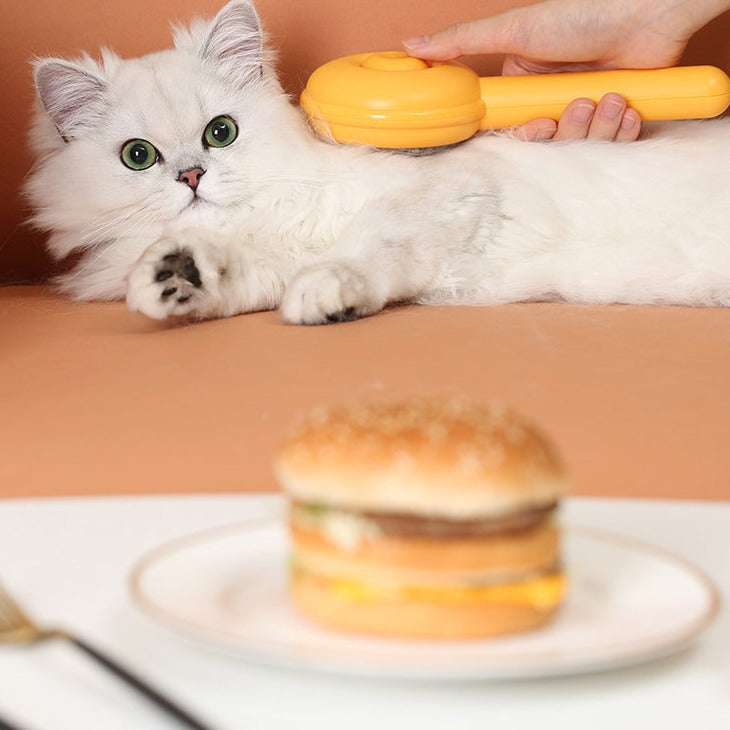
(97, 400)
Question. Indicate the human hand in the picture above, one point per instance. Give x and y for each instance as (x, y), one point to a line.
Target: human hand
(611, 120)
(578, 35)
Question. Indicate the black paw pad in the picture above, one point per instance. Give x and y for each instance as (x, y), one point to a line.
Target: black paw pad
(180, 264)
(344, 315)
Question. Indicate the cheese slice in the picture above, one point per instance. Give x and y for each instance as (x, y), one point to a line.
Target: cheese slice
(542, 592)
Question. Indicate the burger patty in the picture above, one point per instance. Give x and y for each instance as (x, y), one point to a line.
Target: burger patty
(396, 524)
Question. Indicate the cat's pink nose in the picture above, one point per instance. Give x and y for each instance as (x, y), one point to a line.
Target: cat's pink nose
(191, 176)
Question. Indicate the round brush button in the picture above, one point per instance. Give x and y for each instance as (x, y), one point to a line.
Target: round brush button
(394, 61)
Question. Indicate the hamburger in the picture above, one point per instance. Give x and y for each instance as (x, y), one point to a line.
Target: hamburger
(423, 518)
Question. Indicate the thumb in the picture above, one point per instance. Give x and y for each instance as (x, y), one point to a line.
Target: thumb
(487, 35)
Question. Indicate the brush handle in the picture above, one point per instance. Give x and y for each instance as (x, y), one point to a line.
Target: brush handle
(682, 92)
(388, 99)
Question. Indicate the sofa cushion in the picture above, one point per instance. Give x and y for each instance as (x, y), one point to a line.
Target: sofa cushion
(95, 399)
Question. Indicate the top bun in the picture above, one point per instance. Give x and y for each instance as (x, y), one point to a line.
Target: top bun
(444, 457)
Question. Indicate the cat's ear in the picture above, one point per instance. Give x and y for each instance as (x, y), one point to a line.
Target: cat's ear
(234, 43)
(72, 96)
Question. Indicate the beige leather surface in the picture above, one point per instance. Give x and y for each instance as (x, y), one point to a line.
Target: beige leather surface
(96, 400)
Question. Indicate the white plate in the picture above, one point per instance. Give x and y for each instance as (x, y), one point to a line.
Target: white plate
(628, 603)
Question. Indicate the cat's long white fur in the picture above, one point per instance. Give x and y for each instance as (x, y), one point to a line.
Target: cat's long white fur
(327, 231)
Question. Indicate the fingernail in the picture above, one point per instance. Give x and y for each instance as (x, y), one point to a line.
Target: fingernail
(629, 121)
(611, 108)
(417, 42)
(543, 135)
(582, 113)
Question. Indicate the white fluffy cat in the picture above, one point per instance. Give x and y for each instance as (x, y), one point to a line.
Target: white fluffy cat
(195, 188)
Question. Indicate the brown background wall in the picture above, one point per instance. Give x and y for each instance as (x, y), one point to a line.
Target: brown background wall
(306, 32)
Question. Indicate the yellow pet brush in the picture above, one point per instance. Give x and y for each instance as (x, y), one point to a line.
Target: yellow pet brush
(392, 100)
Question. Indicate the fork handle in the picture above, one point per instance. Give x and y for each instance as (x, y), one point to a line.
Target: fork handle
(5, 725)
(142, 687)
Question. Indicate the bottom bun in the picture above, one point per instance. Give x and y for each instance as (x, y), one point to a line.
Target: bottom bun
(414, 619)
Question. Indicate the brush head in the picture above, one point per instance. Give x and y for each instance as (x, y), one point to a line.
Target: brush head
(394, 101)
(391, 100)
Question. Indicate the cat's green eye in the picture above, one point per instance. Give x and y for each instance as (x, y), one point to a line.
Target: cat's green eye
(139, 154)
(220, 132)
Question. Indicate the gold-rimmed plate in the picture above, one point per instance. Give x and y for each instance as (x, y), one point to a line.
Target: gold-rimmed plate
(629, 603)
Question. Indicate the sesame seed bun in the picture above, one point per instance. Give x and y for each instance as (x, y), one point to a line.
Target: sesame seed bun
(423, 518)
(420, 588)
(447, 457)
(412, 618)
(422, 560)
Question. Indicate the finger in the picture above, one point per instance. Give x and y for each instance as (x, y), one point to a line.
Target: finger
(536, 130)
(425, 47)
(630, 126)
(575, 121)
(515, 65)
(487, 35)
(606, 121)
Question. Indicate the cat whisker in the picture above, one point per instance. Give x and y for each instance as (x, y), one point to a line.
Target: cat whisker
(284, 177)
(121, 214)
(106, 236)
(129, 217)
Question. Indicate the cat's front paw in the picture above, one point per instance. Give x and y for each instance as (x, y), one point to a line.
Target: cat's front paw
(327, 293)
(171, 281)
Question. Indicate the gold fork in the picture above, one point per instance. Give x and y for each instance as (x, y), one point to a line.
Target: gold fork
(17, 628)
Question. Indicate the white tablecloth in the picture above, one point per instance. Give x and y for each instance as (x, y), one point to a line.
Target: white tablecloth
(67, 561)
